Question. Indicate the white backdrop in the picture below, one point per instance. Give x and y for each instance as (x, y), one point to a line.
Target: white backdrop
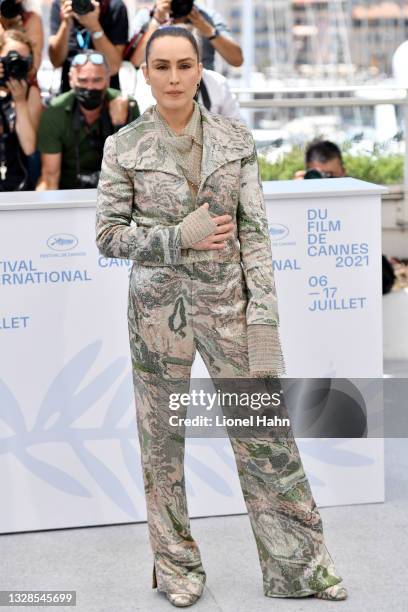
(69, 454)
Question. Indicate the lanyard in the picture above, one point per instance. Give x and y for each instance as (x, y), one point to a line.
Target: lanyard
(83, 41)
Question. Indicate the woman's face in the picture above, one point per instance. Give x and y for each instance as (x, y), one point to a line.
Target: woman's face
(173, 72)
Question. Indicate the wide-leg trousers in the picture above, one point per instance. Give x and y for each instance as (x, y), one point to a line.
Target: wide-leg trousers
(174, 311)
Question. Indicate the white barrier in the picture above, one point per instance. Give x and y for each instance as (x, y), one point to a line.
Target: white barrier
(69, 454)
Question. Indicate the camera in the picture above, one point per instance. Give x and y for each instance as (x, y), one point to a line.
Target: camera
(88, 181)
(82, 7)
(181, 8)
(15, 66)
(316, 174)
(10, 9)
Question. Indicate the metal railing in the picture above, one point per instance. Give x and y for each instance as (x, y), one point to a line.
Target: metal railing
(399, 99)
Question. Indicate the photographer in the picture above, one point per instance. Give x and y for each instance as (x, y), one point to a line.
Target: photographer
(74, 128)
(20, 110)
(213, 33)
(86, 24)
(14, 16)
(323, 159)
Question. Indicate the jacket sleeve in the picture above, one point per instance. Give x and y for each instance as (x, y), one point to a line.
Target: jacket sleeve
(117, 237)
(264, 347)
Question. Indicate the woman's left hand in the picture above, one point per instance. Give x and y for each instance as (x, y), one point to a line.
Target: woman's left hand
(18, 89)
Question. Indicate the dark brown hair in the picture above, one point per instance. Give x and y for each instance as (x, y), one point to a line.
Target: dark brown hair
(177, 32)
(322, 151)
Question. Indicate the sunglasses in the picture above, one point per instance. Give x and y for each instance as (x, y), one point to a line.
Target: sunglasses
(82, 58)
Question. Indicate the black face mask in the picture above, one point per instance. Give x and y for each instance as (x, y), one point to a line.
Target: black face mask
(89, 98)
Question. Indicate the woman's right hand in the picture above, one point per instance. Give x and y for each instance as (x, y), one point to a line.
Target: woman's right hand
(225, 230)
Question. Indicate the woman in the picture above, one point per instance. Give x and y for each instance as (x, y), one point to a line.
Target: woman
(20, 111)
(202, 278)
(214, 92)
(25, 21)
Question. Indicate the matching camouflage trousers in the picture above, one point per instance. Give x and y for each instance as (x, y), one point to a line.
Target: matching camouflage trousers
(174, 310)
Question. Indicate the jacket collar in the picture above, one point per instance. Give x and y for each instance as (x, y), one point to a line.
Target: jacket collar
(140, 147)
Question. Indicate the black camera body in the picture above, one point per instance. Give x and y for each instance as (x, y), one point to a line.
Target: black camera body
(9, 9)
(88, 181)
(180, 8)
(312, 173)
(15, 66)
(82, 7)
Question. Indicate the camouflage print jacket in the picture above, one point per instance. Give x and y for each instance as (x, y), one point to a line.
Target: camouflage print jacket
(144, 202)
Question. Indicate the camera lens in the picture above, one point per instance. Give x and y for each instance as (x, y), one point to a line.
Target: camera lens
(181, 8)
(313, 174)
(15, 66)
(82, 7)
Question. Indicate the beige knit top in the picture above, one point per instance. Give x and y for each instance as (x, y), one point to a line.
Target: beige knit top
(186, 149)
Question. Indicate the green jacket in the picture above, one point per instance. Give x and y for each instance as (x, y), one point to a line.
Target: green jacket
(56, 135)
